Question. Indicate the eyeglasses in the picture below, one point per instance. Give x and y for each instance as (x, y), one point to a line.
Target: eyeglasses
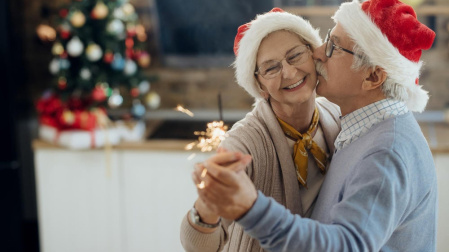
(331, 46)
(295, 57)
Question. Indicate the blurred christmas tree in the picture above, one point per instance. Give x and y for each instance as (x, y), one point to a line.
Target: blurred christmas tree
(99, 54)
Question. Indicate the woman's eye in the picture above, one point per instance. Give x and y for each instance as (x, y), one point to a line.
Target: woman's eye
(271, 69)
(295, 56)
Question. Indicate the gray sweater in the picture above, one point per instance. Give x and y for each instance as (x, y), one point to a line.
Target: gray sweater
(272, 170)
(380, 194)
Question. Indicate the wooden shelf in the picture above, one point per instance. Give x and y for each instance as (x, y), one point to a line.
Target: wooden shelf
(330, 10)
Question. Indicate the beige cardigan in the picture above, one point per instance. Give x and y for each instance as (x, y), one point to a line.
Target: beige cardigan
(272, 170)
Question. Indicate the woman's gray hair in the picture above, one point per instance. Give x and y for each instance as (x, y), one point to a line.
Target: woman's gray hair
(390, 89)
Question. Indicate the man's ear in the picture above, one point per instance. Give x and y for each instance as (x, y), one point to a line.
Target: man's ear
(374, 79)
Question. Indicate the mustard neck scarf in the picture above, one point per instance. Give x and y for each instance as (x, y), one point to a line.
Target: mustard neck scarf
(303, 144)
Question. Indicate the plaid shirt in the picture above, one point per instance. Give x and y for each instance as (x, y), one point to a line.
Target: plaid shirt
(357, 123)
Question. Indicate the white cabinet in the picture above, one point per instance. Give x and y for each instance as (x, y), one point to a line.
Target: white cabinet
(442, 166)
(138, 207)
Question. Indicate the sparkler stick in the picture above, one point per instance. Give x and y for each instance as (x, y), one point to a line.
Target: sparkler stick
(220, 109)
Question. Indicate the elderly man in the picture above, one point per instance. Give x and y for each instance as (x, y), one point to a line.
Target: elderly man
(380, 192)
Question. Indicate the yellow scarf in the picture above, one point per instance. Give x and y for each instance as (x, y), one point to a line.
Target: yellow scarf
(303, 143)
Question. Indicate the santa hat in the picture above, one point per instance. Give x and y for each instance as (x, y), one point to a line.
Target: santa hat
(389, 33)
(250, 35)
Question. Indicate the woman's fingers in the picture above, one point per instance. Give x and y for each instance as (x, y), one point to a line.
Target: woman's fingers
(224, 157)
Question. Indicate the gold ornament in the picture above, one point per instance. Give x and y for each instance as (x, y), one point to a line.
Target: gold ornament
(78, 19)
(100, 10)
(144, 60)
(128, 9)
(57, 49)
(68, 117)
(94, 52)
(153, 100)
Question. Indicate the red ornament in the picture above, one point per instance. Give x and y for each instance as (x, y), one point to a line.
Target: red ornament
(135, 92)
(64, 34)
(108, 57)
(129, 42)
(131, 32)
(75, 104)
(99, 94)
(129, 53)
(62, 83)
(93, 15)
(63, 13)
(63, 55)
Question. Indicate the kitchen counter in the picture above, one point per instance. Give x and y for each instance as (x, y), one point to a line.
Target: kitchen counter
(134, 197)
(436, 133)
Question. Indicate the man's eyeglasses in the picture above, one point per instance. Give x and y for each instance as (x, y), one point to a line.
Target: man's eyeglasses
(330, 46)
(272, 68)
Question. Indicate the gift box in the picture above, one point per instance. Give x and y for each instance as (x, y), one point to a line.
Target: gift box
(79, 139)
(131, 131)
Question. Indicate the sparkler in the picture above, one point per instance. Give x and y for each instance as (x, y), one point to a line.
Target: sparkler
(184, 110)
(211, 138)
(207, 140)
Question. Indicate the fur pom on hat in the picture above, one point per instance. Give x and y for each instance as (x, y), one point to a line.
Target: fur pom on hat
(250, 35)
(391, 36)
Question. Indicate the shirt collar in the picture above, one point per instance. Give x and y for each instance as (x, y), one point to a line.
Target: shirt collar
(358, 122)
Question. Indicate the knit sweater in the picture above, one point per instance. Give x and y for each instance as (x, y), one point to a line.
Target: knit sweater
(272, 171)
(380, 194)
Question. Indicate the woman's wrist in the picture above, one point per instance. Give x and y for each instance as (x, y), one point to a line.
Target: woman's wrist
(206, 215)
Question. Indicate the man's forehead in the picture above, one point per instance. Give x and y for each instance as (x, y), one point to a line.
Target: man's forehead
(339, 35)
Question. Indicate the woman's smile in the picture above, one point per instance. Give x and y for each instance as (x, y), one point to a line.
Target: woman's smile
(297, 85)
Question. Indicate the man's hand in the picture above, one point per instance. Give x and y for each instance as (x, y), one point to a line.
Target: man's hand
(226, 190)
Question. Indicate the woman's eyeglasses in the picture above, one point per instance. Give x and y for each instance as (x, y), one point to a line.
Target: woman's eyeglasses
(295, 57)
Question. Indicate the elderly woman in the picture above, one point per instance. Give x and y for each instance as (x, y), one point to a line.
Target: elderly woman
(289, 133)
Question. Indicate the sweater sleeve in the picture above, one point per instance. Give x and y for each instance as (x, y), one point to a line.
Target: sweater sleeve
(192, 239)
(370, 207)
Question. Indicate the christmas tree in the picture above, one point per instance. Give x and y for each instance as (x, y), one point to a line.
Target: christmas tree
(99, 53)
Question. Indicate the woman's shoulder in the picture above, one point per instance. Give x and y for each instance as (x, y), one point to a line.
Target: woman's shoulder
(328, 108)
(250, 132)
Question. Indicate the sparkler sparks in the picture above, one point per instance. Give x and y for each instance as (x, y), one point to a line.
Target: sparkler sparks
(210, 139)
(184, 110)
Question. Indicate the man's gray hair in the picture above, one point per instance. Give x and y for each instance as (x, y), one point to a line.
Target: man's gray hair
(392, 90)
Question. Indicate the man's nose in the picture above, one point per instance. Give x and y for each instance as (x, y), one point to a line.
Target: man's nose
(319, 53)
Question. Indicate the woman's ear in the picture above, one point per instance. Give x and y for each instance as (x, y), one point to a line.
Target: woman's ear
(375, 78)
(262, 90)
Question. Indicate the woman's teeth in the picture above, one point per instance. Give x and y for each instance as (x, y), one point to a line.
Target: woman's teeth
(296, 84)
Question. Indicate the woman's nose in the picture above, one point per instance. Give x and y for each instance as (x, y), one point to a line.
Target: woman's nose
(288, 71)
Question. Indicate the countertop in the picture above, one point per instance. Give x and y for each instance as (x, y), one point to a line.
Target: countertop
(436, 133)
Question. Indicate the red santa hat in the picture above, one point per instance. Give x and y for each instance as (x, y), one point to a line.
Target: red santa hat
(391, 36)
(250, 35)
